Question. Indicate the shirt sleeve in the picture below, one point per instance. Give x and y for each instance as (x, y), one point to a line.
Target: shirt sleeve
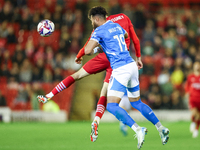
(187, 85)
(95, 36)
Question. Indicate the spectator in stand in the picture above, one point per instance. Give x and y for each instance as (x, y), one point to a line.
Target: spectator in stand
(58, 61)
(154, 96)
(57, 20)
(164, 82)
(149, 31)
(139, 16)
(6, 60)
(57, 77)
(19, 55)
(177, 102)
(4, 29)
(192, 52)
(191, 37)
(82, 6)
(115, 8)
(148, 68)
(29, 49)
(25, 74)
(192, 23)
(4, 71)
(36, 89)
(49, 56)
(6, 13)
(63, 47)
(36, 74)
(25, 22)
(35, 19)
(47, 76)
(14, 72)
(78, 16)
(68, 18)
(2, 100)
(166, 102)
(40, 65)
(128, 11)
(170, 23)
(22, 96)
(170, 41)
(11, 38)
(74, 47)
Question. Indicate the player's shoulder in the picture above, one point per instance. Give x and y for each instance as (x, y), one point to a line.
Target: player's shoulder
(117, 17)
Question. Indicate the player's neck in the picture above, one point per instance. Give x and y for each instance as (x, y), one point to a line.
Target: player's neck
(196, 73)
(102, 22)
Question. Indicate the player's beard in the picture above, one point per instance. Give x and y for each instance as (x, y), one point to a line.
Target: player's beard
(95, 25)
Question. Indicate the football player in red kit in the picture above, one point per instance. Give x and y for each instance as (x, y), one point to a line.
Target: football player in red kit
(193, 89)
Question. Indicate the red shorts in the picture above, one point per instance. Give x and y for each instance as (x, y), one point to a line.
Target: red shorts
(194, 103)
(98, 64)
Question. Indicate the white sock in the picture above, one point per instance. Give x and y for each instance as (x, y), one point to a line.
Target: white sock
(158, 125)
(96, 118)
(135, 126)
(50, 95)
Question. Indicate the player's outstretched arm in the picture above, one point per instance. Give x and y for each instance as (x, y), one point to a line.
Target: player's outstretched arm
(136, 41)
(139, 63)
(90, 46)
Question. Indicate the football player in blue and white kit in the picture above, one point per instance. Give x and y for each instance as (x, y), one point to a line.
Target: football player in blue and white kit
(124, 76)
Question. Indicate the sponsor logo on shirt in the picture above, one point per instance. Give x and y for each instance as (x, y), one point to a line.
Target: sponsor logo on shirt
(196, 85)
(117, 18)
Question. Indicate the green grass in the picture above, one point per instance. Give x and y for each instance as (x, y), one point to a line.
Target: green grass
(76, 136)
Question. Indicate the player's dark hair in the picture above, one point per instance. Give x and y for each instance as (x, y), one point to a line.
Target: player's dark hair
(97, 10)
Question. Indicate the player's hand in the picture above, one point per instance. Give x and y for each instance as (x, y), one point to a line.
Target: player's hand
(139, 63)
(78, 60)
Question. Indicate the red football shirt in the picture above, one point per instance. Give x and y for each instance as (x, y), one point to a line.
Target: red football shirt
(193, 87)
(126, 24)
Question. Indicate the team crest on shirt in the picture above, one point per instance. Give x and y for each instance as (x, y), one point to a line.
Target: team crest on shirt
(192, 79)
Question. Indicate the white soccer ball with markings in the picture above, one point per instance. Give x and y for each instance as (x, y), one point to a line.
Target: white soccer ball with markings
(45, 27)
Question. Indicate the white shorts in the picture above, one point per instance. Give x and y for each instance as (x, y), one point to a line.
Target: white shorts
(124, 79)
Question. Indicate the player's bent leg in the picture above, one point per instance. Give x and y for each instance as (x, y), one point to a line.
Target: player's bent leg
(68, 81)
(81, 73)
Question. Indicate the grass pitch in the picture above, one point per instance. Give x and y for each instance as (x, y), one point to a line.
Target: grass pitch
(76, 136)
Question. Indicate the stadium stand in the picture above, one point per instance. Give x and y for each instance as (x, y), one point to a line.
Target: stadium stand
(168, 30)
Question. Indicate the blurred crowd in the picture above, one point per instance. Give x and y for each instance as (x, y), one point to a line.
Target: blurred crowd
(170, 43)
(25, 56)
(169, 39)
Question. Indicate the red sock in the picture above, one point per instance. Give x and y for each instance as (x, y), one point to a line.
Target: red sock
(101, 106)
(197, 124)
(63, 85)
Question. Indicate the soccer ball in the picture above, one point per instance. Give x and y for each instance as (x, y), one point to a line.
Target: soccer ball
(45, 27)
